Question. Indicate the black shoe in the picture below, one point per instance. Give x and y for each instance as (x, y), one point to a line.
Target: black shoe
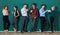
(42, 31)
(52, 32)
(22, 31)
(25, 31)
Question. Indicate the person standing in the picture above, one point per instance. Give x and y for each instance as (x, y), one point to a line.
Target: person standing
(42, 17)
(34, 15)
(5, 18)
(15, 18)
(24, 11)
(52, 14)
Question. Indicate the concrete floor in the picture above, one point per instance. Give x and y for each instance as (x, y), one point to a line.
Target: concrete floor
(32, 33)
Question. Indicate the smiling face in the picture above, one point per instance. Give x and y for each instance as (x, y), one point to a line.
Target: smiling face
(33, 6)
(25, 6)
(43, 7)
(53, 8)
(15, 8)
(6, 8)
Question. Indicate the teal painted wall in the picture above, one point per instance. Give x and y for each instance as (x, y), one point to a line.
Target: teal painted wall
(19, 3)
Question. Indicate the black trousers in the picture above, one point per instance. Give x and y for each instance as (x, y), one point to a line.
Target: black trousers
(51, 23)
(33, 23)
(43, 23)
(6, 22)
(24, 23)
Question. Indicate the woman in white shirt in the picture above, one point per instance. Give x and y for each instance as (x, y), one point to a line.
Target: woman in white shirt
(5, 18)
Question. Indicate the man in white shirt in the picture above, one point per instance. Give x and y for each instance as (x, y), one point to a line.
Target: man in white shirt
(24, 11)
(42, 17)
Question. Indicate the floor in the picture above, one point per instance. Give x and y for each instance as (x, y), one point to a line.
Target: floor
(31, 33)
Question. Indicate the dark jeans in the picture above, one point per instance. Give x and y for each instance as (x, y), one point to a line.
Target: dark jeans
(43, 23)
(6, 22)
(51, 23)
(15, 23)
(24, 23)
(33, 23)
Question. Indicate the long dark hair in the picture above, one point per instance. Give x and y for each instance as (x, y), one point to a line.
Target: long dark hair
(16, 10)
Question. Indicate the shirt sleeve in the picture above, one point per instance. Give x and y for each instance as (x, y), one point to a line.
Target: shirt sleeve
(41, 11)
(22, 11)
(37, 13)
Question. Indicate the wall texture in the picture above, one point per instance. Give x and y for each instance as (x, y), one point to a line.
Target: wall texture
(19, 3)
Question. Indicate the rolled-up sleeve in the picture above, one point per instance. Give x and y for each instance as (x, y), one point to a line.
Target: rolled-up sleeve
(42, 12)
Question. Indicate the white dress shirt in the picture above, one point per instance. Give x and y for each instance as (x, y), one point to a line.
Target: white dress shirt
(42, 12)
(24, 12)
(15, 13)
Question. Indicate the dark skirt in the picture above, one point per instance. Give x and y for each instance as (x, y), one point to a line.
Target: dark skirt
(14, 23)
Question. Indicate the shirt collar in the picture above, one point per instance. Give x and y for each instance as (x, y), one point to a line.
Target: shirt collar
(24, 8)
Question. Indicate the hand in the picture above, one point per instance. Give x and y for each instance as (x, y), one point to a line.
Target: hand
(48, 10)
(31, 11)
(26, 10)
(35, 17)
(16, 16)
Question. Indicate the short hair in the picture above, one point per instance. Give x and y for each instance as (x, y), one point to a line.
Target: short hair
(43, 5)
(25, 4)
(34, 4)
(52, 6)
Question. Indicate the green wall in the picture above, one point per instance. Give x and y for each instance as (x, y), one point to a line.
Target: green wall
(19, 3)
